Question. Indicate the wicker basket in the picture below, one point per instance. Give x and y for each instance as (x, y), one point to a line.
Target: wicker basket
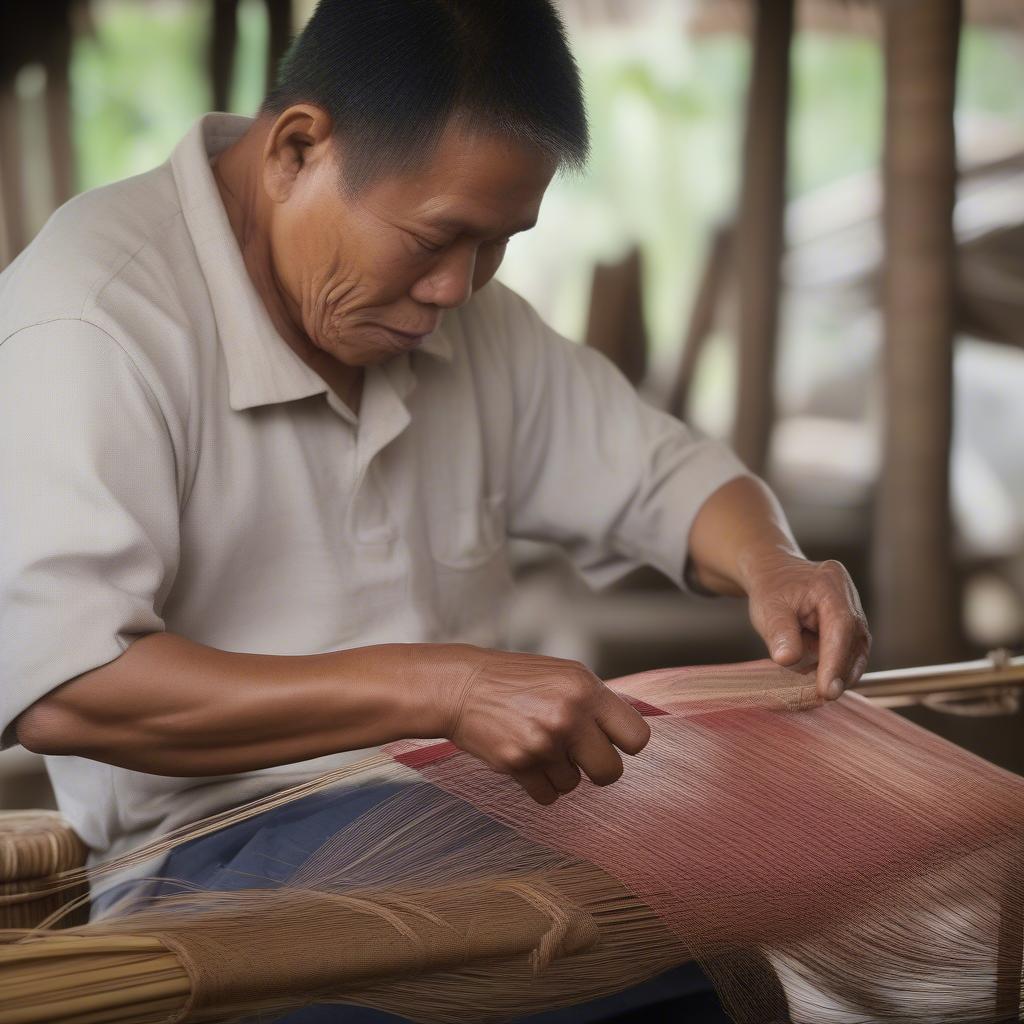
(35, 847)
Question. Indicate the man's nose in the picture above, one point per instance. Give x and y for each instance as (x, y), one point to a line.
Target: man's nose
(450, 283)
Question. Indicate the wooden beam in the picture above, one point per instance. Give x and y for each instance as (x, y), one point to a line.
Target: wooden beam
(916, 606)
(759, 237)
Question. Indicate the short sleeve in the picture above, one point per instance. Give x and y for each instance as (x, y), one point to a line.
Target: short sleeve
(88, 507)
(595, 469)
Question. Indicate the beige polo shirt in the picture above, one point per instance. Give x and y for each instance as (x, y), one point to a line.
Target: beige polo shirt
(168, 463)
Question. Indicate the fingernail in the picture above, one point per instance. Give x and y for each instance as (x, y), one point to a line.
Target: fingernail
(834, 689)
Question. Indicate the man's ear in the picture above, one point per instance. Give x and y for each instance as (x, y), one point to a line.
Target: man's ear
(299, 141)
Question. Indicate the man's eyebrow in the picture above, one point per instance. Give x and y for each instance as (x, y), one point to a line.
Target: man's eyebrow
(457, 224)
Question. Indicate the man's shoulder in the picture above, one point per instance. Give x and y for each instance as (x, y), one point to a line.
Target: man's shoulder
(117, 259)
(130, 232)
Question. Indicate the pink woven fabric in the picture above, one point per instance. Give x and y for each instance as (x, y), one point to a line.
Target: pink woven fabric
(876, 866)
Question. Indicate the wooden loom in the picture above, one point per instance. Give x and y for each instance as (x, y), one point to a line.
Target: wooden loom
(559, 914)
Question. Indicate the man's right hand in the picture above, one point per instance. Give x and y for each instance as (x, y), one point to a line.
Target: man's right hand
(541, 720)
(171, 706)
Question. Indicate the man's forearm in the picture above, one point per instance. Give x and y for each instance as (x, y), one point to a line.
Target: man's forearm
(736, 529)
(169, 706)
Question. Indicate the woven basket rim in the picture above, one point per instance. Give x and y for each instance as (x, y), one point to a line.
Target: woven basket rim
(36, 844)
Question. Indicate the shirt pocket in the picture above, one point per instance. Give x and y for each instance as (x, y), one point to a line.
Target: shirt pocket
(472, 579)
(470, 534)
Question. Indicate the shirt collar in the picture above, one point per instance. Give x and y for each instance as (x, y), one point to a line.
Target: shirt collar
(262, 368)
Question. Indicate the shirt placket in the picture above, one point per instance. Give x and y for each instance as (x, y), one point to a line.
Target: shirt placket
(383, 416)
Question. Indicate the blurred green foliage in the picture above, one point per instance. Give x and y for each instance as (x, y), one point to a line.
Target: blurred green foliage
(666, 117)
(140, 80)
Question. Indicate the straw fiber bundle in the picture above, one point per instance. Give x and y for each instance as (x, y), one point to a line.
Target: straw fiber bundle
(824, 864)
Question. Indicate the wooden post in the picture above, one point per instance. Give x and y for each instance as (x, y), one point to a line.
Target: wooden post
(916, 607)
(58, 104)
(279, 21)
(223, 40)
(759, 236)
(1010, 938)
(702, 319)
(615, 324)
(12, 221)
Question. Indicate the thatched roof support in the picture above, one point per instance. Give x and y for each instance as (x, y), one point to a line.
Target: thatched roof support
(916, 608)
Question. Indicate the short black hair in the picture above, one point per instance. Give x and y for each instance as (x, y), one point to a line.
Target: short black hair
(391, 73)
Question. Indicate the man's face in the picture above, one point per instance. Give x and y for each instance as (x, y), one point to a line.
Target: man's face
(370, 275)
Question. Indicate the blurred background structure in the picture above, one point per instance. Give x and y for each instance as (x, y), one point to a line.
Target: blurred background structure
(802, 229)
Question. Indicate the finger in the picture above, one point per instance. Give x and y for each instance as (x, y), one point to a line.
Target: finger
(563, 775)
(837, 632)
(860, 662)
(782, 635)
(537, 785)
(596, 756)
(859, 665)
(811, 646)
(619, 722)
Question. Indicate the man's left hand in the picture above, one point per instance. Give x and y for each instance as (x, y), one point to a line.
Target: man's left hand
(789, 596)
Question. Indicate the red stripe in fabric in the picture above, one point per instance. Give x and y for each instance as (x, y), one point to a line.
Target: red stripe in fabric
(645, 709)
(423, 756)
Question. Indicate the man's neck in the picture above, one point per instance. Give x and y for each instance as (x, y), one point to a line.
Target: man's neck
(236, 171)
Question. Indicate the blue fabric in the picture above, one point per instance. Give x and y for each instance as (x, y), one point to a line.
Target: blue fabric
(264, 851)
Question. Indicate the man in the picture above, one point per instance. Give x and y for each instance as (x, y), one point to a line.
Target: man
(264, 433)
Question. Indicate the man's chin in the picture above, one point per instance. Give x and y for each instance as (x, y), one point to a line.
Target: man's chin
(387, 342)
(360, 351)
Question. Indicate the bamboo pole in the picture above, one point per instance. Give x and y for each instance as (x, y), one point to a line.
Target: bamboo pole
(759, 234)
(962, 680)
(916, 611)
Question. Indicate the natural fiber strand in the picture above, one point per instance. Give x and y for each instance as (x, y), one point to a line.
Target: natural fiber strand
(825, 865)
